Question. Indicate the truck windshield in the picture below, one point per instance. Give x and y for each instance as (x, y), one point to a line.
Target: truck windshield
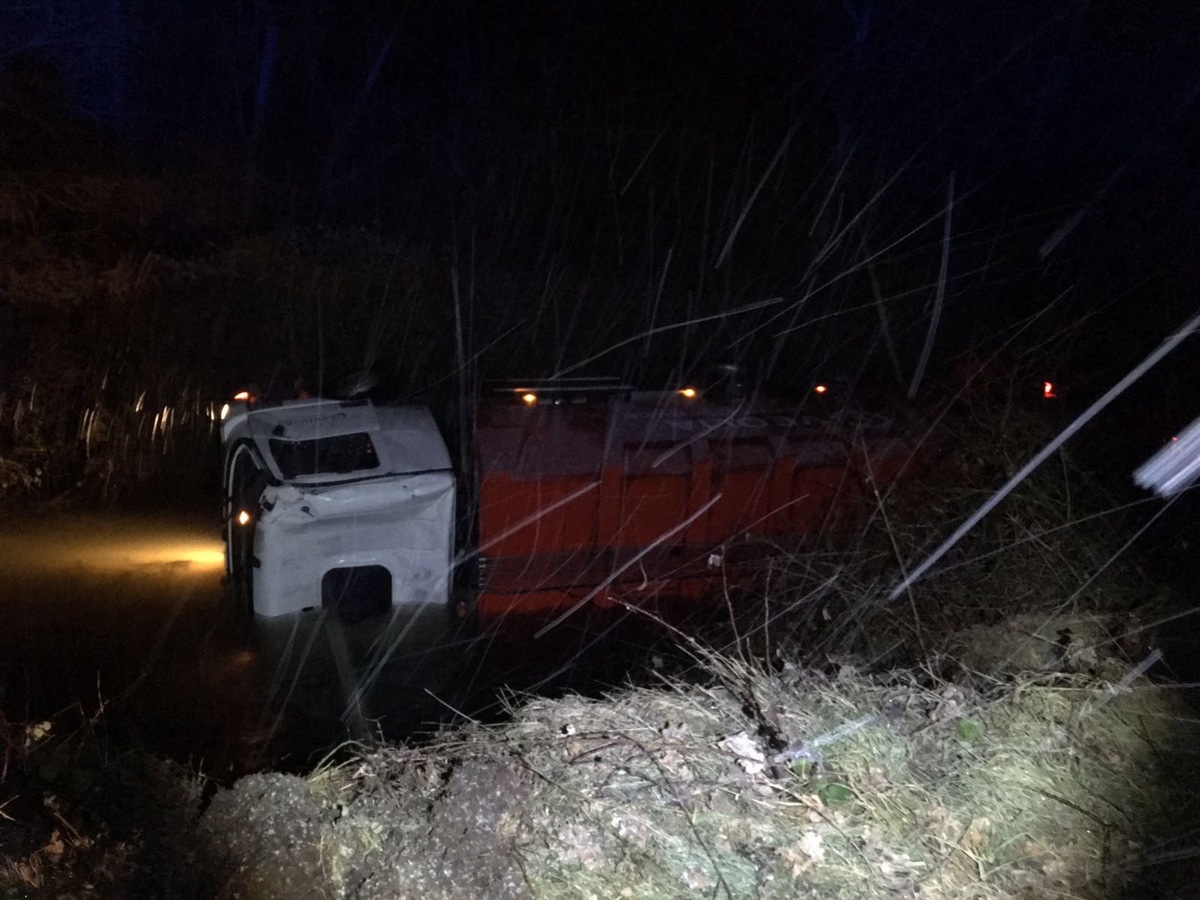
(334, 455)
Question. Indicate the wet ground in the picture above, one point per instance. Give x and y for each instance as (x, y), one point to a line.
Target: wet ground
(122, 617)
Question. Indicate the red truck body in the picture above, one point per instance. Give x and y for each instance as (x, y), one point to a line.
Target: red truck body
(639, 496)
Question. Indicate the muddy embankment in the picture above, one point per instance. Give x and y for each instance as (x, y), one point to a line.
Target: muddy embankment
(1072, 780)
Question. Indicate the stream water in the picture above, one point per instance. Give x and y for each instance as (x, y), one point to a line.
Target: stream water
(121, 619)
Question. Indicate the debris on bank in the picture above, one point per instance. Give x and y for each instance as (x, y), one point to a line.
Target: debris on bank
(800, 785)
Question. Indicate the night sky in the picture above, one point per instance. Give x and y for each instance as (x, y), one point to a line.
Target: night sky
(673, 160)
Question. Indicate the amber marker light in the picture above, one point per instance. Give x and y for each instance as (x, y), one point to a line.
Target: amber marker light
(688, 392)
(529, 399)
(820, 389)
(243, 518)
(241, 396)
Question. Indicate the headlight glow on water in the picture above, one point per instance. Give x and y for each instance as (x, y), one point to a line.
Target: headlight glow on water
(87, 546)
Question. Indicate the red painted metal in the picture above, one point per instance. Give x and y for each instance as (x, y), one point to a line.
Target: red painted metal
(654, 496)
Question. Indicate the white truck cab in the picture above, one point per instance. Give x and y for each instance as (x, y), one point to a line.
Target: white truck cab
(336, 505)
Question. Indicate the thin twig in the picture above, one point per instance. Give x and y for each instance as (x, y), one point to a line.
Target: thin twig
(939, 295)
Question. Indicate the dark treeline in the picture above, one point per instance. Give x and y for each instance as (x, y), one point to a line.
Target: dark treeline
(195, 195)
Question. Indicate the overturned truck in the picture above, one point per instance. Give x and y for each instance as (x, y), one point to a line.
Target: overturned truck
(577, 493)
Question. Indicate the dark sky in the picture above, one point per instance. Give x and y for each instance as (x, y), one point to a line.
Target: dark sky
(607, 135)
(988, 88)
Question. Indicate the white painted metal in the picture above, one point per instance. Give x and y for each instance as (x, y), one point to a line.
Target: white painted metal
(398, 514)
(1175, 467)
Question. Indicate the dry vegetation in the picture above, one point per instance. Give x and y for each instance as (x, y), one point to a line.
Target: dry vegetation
(845, 784)
(880, 786)
(892, 785)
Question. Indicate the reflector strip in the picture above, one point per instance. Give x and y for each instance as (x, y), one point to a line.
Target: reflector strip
(1175, 467)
